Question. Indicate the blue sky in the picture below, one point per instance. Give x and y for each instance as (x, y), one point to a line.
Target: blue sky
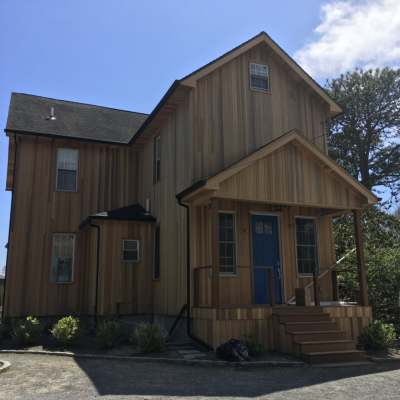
(125, 53)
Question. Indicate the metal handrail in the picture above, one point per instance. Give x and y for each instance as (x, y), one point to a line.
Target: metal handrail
(325, 272)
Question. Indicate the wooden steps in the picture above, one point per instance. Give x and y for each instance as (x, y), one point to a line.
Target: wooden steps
(310, 333)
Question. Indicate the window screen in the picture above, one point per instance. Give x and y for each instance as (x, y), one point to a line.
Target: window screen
(259, 77)
(130, 250)
(67, 168)
(63, 257)
(307, 252)
(227, 243)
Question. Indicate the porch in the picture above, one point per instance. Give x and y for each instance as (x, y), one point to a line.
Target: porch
(261, 241)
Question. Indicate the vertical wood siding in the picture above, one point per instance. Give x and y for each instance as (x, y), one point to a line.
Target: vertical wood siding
(106, 179)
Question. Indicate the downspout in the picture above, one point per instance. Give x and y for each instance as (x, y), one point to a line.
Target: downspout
(97, 273)
(9, 226)
(188, 277)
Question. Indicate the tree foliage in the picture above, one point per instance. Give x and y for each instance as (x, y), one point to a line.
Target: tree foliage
(365, 141)
(365, 138)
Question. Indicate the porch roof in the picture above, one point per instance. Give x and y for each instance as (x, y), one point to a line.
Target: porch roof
(290, 170)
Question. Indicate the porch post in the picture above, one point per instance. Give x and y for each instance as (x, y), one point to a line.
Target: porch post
(214, 253)
(362, 273)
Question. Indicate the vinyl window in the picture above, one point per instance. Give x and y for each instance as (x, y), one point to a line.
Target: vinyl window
(67, 170)
(259, 77)
(157, 160)
(130, 250)
(63, 257)
(227, 243)
(306, 243)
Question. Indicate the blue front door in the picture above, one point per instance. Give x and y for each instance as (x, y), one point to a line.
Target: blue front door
(265, 251)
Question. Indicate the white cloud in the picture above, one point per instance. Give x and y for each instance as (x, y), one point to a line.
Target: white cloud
(353, 34)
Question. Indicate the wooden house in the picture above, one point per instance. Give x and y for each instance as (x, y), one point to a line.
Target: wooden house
(219, 202)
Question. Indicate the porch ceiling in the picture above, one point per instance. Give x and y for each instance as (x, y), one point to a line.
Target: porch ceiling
(289, 170)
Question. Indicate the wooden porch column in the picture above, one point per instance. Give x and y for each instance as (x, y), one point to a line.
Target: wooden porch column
(362, 273)
(215, 253)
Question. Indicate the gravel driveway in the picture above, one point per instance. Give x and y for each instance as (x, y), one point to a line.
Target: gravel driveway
(50, 377)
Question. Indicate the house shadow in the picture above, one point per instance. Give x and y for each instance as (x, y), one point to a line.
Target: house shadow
(162, 379)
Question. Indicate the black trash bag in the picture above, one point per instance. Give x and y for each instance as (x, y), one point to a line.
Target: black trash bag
(233, 350)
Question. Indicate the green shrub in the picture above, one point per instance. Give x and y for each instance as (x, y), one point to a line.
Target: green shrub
(4, 330)
(148, 338)
(66, 330)
(108, 334)
(27, 331)
(378, 335)
(255, 348)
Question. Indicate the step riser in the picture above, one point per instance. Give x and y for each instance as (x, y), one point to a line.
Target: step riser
(305, 318)
(334, 358)
(316, 347)
(314, 326)
(317, 336)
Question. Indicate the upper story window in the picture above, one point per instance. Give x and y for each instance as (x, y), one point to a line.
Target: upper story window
(67, 170)
(63, 257)
(259, 77)
(227, 243)
(306, 242)
(130, 250)
(157, 159)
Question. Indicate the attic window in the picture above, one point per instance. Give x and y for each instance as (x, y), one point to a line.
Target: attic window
(259, 77)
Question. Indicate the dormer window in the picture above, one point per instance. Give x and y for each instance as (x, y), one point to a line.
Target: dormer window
(67, 170)
(259, 77)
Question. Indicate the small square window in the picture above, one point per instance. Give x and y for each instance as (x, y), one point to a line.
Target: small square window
(130, 250)
(259, 77)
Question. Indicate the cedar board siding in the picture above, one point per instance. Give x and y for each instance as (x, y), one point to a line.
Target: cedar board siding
(125, 287)
(291, 175)
(106, 179)
(217, 326)
(221, 121)
(237, 289)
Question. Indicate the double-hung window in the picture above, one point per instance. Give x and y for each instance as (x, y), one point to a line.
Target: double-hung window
(259, 77)
(227, 243)
(130, 250)
(63, 257)
(157, 159)
(67, 170)
(307, 250)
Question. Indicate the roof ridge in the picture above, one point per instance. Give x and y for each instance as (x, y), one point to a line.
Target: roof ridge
(79, 102)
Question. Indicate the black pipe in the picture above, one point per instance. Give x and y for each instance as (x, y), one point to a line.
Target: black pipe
(188, 278)
(3, 308)
(97, 273)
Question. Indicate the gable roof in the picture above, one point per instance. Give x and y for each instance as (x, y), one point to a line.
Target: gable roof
(29, 114)
(213, 182)
(190, 79)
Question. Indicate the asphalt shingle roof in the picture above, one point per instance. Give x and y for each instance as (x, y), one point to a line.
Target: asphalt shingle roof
(29, 114)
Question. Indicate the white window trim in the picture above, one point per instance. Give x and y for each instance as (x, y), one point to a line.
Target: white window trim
(77, 171)
(257, 89)
(229, 274)
(138, 251)
(299, 274)
(52, 277)
(157, 279)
